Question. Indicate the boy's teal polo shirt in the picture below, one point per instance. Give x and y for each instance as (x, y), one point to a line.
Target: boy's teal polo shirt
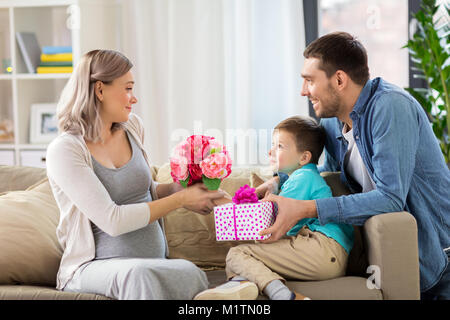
(306, 183)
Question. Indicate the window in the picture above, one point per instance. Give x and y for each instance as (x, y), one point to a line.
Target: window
(381, 26)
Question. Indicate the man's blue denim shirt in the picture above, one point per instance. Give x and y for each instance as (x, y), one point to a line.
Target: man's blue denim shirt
(403, 157)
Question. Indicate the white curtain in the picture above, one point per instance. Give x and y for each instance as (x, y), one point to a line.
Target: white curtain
(226, 68)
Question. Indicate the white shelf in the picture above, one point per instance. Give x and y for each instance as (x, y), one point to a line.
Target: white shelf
(34, 76)
(83, 24)
(7, 146)
(33, 146)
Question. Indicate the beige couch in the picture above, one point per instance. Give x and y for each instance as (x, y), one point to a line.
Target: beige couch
(30, 252)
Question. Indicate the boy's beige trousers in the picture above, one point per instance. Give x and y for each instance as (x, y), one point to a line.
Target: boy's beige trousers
(307, 256)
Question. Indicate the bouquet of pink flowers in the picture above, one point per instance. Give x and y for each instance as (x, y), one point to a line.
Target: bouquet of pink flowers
(200, 158)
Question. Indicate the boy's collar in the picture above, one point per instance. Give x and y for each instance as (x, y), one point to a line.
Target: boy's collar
(309, 166)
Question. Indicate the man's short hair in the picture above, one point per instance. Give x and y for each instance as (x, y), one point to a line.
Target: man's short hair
(309, 135)
(340, 51)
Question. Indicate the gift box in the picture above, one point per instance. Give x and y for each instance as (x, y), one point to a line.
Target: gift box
(235, 222)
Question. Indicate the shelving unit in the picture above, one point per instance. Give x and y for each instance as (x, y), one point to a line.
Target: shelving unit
(83, 24)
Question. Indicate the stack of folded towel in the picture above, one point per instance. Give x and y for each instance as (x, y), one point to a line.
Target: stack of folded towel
(56, 60)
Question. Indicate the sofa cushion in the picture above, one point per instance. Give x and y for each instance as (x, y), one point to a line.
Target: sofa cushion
(30, 252)
(343, 288)
(13, 178)
(24, 292)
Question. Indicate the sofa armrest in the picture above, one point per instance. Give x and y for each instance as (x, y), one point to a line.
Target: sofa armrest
(392, 250)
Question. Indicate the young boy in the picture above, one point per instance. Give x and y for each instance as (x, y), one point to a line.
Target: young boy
(310, 251)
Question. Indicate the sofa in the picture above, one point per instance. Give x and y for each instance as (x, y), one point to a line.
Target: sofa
(383, 264)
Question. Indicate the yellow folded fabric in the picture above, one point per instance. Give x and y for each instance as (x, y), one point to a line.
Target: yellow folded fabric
(54, 69)
(56, 57)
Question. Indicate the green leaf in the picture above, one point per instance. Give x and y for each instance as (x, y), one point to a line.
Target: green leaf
(211, 184)
(184, 183)
(215, 150)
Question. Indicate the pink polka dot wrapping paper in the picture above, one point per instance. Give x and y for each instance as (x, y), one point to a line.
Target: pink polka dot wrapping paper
(236, 222)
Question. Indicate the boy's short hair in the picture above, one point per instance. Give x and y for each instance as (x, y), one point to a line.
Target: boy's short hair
(340, 51)
(309, 135)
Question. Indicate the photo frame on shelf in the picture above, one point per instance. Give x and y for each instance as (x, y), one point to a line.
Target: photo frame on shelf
(43, 123)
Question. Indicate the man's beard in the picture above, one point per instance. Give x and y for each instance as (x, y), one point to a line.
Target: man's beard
(330, 105)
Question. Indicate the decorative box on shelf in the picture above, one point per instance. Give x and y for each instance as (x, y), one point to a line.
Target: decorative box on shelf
(7, 157)
(33, 158)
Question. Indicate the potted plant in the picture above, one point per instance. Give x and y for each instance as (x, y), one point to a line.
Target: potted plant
(429, 50)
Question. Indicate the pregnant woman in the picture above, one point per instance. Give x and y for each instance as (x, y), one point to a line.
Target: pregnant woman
(111, 227)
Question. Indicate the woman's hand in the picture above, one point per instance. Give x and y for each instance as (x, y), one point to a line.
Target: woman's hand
(199, 199)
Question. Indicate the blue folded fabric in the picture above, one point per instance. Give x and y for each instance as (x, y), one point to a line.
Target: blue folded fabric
(56, 49)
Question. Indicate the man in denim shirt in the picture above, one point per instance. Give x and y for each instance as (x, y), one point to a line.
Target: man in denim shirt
(381, 140)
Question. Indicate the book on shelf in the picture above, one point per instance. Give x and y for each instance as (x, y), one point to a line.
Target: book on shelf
(56, 49)
(56, 57)
(41, 70)
(30, 50)
(56, 64)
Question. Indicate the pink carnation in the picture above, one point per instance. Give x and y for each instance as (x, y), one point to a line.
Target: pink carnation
(198, 157)
(179, 168)
(182, 150)
(214, 167)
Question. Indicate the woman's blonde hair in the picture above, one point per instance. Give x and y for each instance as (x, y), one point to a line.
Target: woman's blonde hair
(78, 107)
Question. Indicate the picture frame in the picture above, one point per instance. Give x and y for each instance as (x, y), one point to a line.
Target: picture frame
(43, 123)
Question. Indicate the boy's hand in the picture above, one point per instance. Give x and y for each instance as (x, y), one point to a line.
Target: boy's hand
(268, 187)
